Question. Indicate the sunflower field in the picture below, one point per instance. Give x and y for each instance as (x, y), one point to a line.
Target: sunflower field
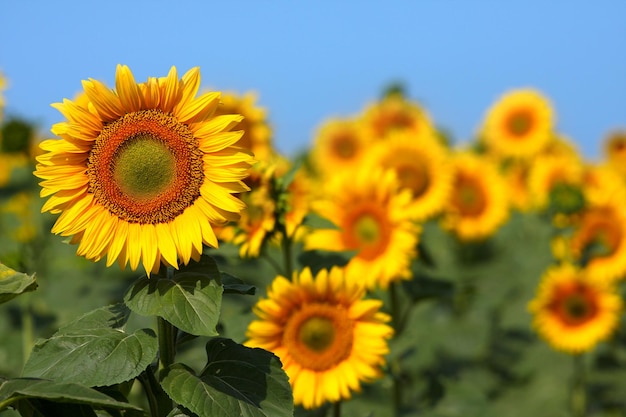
(159, 257)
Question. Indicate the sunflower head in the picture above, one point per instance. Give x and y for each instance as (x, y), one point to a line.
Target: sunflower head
(142, 172)
(573, 313)
(329, 338)
(519, 124)
(395, 112)
(615, 149)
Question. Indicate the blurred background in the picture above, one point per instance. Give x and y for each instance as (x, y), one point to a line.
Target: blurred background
(311, 61)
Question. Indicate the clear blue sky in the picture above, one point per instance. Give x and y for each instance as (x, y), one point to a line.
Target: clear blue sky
(311, 60)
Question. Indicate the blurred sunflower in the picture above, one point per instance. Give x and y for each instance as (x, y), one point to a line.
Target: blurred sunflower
(372, 218)
(599, 241)
(549, 172)
(257, 134)
(519, 124)
(141, 172)
(479, 202)
(327, 336)
(573, 313)
(10, 164)
(258, 219)
(339, 144)
(19, 217)
(615, 150)
(422, 165)
(602, 183)
(395, 112)
(515, 174)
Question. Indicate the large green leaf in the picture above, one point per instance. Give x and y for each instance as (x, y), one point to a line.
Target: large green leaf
(237, 381)
(29, 388)
(93, 350)
(13, 283)
(190, 299)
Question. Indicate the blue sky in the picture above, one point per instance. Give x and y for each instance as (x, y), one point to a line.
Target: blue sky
(308, 61)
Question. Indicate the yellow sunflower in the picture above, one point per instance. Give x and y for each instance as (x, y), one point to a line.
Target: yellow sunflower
(519, 124)
(550, 171)
(339, 144)
(602, 183)
(395, 112)
(143, 171)
(615, 149)
(515, 175)
(573, 313)
(257, 134)
(372, 218)
(327, 336)
(479, 202)
(422, 166)
(600, 235)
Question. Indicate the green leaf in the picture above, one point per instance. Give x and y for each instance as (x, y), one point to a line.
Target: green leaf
(13, 283)
(190, 298)
(237, 381)
(93, 350)
(234, 285)
(25, 388)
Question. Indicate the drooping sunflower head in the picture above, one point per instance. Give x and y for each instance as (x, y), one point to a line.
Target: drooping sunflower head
(519, 124)
(373, 219)
(599, 241)
(329, 338)
(339, 144)
(396, 113)
(573, 313)
(422, 165)
(478, 203)
(257, 133)
(142, 172)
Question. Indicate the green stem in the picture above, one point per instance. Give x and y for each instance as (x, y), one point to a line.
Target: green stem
(6, 403)
(337, 409)
(152, 399)
(286, 243)
(27, 327)
(272, 262)
(395, 308)
(167, 339)
(579, 387)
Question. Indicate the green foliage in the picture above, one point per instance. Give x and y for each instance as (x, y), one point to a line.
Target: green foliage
(14, 283)
(190, 298)
(237, 381)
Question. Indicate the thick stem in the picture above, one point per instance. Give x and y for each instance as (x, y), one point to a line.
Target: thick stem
(286, 243)
(394, 302)
(27, 326)
(167, 343)
(337, 409)
(579, 387)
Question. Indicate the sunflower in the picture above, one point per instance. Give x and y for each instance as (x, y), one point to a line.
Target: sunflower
(327, 336)
(257, 134)
(599, 241)
(395, 112)
(519, 124)
(479, 202)
(422, 166)
(549, 172)
(573, 313)
(143, 171)
(372, 218)
(515, 175)
(339, 144)
(602, 183)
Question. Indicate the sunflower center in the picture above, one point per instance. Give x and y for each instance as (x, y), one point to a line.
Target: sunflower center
(469, 198)
(146, 167)
(520, 123)
(344, 146)
(319, 336)
(367, 231)
(413, 177)
(317, 333)
(574, 304)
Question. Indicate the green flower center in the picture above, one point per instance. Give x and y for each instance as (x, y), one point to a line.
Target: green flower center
(317, 333)
(367, 229)
(520, 123)
(144, 167)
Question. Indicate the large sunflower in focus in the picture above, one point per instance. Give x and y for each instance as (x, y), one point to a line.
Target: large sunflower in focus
(573, 313)
(373, 218)
(422, 165)
(519, 125)
(142, 172)
(328, 338)
(478, 203)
